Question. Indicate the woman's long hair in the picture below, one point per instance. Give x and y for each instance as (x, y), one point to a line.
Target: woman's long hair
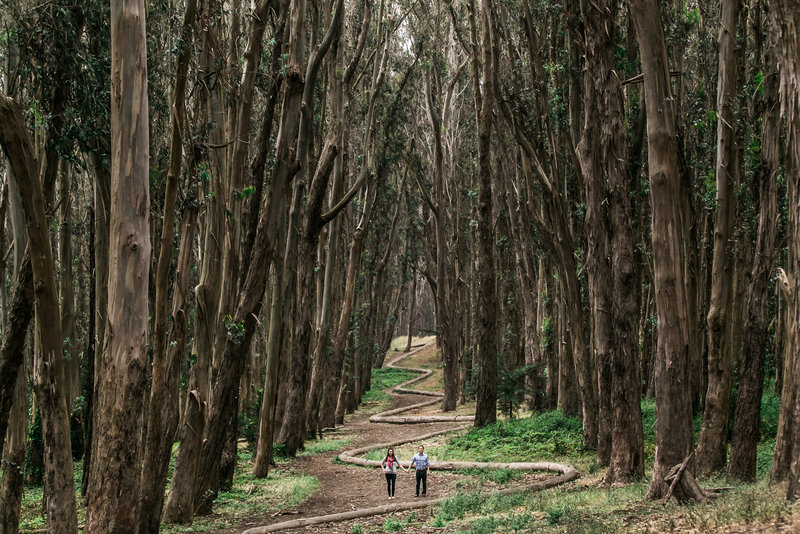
(392, 455)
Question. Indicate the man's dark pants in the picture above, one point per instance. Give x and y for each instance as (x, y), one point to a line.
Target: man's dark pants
(422, 474)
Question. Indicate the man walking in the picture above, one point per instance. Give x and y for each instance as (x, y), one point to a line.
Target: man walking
(420, 461)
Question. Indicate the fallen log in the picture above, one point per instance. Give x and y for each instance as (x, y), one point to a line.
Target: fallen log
(571, 474)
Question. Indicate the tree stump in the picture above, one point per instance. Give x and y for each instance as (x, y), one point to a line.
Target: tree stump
(683, 485)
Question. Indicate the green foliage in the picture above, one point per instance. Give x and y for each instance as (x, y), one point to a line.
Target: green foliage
(542, 435)
(320, 446)
(392, 524)
(34, 465)
(547, 334)
(770, 412)
(248, 421)
(235, 330)
(511, 389)
(458, 505)
(356, 529)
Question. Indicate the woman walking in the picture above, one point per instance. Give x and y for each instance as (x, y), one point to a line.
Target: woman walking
(390, 463)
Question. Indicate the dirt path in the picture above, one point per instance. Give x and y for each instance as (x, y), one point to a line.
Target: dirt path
(346, 487)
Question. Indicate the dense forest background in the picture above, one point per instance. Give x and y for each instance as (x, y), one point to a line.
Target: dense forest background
(215, 216)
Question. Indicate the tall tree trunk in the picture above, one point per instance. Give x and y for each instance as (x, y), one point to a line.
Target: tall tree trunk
(328, 412)
(13, 377)
(121, 377)
(102, 206)
(788, 27)
(712, 446)
(158, 443)
(602, 153)
(294, 423)
(445, 322)
(12, 351)
(72, 362)
(747, 418)
(412, 308)
(673, 401)
(226, 383)
(486, 407)
(267, 416)
(269, 394)
(592, 165)
(13, 458)
(179, 507)
(48, 374)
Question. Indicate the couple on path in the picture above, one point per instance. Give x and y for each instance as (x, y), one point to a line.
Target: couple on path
(419, 461)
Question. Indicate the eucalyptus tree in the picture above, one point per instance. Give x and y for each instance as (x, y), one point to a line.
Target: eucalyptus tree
(674, 437)
(602, 155)
(548, 211)
(747, 417)
(162, 410)
(787, 27)
(712, 445)
(121, 375)
(48, 372)
(484, 94)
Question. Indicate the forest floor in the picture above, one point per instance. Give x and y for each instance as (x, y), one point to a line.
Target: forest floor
(345, 487)
(316, 483)
(578, 506)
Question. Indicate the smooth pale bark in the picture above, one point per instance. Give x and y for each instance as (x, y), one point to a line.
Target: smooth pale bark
(158, 443)
(486, 407)
(673, 399)
(747, 417)
(787, 19)
(48, 374)
(67, 291)
(121, 377)
(12, 351)
(712, 445)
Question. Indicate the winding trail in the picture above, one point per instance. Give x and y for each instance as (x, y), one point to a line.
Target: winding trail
(363, 505)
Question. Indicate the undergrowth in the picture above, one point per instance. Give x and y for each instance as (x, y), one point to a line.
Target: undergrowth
(548, 435)
(381, 379)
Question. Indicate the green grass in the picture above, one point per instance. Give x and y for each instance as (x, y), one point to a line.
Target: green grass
(382, 379)
(547, 435)
(252, 497)
(321, 446)
(248, 497)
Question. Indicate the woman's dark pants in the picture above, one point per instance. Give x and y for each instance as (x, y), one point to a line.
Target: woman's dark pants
(390, 480)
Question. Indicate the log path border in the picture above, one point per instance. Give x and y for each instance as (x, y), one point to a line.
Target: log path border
(353, 456)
